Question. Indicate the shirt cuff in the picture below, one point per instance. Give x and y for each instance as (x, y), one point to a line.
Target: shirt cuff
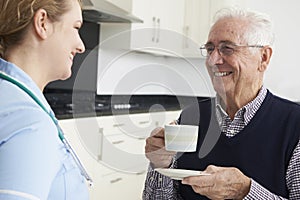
(259, 192)
(157, 180)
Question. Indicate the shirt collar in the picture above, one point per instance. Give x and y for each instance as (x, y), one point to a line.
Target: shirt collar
(248, 110)
(17, 73)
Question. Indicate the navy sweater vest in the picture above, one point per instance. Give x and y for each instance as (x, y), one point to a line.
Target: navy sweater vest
(262, 150)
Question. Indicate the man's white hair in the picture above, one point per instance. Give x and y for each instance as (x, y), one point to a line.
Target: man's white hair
(260, 27)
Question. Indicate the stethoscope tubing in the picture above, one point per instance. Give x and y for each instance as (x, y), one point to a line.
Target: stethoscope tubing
(67, 145)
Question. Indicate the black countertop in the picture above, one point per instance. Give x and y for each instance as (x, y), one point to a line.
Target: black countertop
(85, 104)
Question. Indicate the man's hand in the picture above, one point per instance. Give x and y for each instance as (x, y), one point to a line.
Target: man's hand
(155, 149)
(222, 183)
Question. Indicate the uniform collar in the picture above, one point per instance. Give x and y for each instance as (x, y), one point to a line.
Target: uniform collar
(17, 73)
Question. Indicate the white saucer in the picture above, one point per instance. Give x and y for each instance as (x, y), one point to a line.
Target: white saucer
(179, 174)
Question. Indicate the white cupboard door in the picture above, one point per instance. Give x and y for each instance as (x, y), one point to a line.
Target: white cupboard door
(118, 186)
(196, 26)
(162, 28)
(199, 15)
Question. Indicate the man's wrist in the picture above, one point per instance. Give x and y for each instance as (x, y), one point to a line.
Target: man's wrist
(246, 187)
(153, 166)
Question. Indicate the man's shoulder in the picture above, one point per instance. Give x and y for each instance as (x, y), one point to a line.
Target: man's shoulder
(285, 103)
(284, 107)
(191, 113)
(199, 104)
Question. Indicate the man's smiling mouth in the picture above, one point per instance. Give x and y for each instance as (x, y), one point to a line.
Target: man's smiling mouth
(222, 74)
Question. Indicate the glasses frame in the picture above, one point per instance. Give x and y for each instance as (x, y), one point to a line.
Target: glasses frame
(205, 53)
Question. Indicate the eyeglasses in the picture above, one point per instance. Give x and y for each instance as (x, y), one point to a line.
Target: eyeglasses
(224, 49)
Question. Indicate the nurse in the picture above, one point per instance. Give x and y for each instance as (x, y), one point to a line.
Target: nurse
(38, 41)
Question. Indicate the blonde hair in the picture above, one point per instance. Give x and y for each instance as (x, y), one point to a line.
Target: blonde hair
(16, 15)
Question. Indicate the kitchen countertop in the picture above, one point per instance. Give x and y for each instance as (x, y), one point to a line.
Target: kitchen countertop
(85, 104)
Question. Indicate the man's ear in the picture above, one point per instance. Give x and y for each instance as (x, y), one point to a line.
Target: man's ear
(265, 57)
(41, 23)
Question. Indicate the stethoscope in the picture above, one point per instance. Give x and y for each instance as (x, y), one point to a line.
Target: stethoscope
(67, 145)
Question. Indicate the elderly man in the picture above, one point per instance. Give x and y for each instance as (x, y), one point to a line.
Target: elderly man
(255, 154)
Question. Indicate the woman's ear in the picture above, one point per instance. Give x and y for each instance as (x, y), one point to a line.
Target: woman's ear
(41, 23)
(265, 57)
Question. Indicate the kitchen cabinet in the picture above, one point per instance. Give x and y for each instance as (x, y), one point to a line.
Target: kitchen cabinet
(199, 15)
(174, 27)
(124, 137)
(196, 26)
(161, 30)
(112, 150)
(115, 186)
(124, 4)
(170, 27)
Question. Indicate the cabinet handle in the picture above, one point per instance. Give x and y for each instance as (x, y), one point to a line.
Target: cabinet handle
(116, 180)
(158, 30)
(118, 125)
(153, 28)
(157, 123)
(187, 32)
(141, 172)
(118, 142)
(144, 122)
(100, 131)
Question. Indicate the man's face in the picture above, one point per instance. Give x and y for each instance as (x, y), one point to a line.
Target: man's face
(233, 75)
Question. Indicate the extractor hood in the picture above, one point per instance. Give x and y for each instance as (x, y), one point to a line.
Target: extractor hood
(102, 11)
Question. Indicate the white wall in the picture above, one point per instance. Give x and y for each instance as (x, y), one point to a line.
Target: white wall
(129, 72)
(282, 77)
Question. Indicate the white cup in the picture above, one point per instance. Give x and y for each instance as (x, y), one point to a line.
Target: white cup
(181, 138)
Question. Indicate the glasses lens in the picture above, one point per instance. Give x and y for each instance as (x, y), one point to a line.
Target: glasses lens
(203, 51)
(207, 49)
(226, 50)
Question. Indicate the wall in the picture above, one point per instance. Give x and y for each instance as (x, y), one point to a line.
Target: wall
(129, 72)
(282, 77)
